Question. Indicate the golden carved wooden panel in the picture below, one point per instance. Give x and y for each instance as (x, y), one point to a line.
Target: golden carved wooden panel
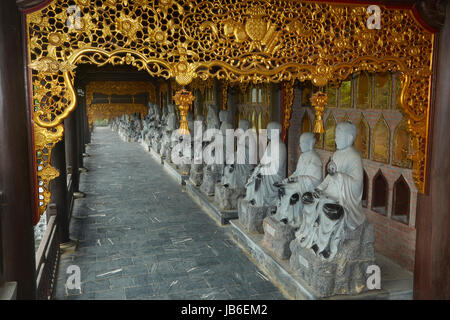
(330, 134)
(238, 41)
(382, 90)
(400, 147)
(346, 94)
(113, 110)
(120, 88)
(363, 88)
(306, 123)
(332, 97)
(381, 141)
(362, 140)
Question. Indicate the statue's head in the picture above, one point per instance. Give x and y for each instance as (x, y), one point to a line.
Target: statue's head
(226, 127)
(157, 111)
(273, 129)
(345, 135)
(223, 115)
(244, 124)
(200, 118)
(307, 141)
(212, 121)
(171, 108)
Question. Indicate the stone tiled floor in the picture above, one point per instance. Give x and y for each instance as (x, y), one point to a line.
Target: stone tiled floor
(141, 237)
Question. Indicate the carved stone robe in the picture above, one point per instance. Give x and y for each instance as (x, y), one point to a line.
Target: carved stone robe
(307, 176)
(345, 188)
(271, 169)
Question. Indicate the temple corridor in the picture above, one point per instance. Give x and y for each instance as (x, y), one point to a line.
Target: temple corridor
(141, 237)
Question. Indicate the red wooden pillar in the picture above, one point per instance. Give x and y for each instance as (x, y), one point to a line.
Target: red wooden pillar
(432, 264)
(16, 179)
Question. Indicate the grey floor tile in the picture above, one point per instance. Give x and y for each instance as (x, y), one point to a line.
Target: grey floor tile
(138, 219)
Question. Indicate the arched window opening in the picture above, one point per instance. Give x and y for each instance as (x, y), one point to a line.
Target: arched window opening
(401, 200)
(365, 195)
(380, 194)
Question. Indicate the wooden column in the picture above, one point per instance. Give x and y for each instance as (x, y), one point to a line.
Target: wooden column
(432, 264)
(70, 137)
(79, 136)
(17, 205)
(58, 188)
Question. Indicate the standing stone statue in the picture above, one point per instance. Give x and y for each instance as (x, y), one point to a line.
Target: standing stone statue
(261, 193)
(235, 175)
(335, 236)
(279, 229)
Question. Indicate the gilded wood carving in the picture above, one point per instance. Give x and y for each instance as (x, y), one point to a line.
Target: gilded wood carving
(237, 41)
(381, 141)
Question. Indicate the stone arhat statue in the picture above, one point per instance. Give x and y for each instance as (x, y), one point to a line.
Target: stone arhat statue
(334, 208)
(236, 174)
(306, 177)
(260, 189)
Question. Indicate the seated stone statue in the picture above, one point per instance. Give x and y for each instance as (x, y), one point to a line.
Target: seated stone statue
(260, 189)
(235, 175)
(153, 125)
(184, 158)
(212, 173)
(212, 122)
(146, 122)
(335, 243)
(306, 177)
(171, 125)
(334, 208)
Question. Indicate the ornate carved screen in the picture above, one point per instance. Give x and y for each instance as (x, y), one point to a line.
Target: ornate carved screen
(111, 110)
(233, 40)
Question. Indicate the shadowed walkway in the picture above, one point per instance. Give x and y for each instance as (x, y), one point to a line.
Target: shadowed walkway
(141, 237)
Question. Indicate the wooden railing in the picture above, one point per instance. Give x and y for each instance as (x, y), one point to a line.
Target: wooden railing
(47, 258)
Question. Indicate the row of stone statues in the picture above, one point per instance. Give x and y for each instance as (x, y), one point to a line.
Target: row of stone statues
(310, 220)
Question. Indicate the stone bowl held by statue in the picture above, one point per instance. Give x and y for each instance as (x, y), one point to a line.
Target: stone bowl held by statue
(333, 211)
(307, 198)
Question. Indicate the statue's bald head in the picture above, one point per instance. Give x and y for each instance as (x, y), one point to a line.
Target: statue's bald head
(244, 124)
(273, 128)
(307, 141)
(345, 135)
(223, 115)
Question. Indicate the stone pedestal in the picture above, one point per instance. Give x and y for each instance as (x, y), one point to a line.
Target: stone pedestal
(210, 178)
(251, 217)
(156, 145)
(185, 169)
(277, 237)
(227, 198)
(196, 174)
(346, 272)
